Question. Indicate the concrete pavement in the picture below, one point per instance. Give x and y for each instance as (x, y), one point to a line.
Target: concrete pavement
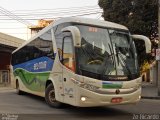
(149, 91)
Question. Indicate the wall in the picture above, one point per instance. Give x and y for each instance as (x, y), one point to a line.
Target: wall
(4, 61)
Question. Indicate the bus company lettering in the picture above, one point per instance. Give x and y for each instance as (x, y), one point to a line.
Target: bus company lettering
(40, 65)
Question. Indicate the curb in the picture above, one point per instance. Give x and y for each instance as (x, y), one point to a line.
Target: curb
(6, 88)
(147, 97)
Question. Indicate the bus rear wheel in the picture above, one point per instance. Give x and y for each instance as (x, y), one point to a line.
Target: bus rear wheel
(50, 97)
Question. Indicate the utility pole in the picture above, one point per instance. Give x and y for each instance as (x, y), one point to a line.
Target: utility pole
(159, 47)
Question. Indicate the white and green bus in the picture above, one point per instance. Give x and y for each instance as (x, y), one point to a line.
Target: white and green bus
(82, 62)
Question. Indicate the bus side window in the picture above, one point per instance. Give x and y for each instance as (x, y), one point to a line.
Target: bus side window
(68, 59)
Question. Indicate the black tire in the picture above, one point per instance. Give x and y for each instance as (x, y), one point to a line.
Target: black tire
(50, 97)
(18, 91)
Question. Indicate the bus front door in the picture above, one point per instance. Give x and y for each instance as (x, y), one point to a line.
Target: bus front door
(68, 69)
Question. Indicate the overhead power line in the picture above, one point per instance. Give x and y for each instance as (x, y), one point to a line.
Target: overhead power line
(14, 28)
(13, 16)
(55, 13)
(57, 17)
(55, 9)
(23, 16)
(99, 16)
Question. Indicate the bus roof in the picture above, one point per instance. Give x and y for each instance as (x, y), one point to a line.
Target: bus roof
(79, 20)
(90, 21)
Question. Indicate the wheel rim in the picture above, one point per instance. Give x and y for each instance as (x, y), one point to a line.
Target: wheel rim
(52, 96)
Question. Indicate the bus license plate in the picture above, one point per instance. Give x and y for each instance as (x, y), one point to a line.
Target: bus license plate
(116, 100)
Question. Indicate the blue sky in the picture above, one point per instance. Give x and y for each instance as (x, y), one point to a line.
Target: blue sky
(9, 26)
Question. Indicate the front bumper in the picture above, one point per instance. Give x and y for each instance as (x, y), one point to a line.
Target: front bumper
(93, 99)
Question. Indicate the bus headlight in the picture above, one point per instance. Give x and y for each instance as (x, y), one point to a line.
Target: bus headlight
(83, 99)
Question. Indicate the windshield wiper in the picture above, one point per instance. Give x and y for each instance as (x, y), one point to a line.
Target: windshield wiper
(107, 59)
(117, 52)
(124, 64)
(86, 53)
(112, 55)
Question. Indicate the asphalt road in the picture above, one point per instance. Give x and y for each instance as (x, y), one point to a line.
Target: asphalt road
(29, 107)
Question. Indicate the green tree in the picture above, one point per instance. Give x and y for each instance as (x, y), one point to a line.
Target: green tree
(140, 16)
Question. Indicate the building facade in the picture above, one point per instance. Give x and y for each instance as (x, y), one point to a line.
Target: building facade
(7, 45)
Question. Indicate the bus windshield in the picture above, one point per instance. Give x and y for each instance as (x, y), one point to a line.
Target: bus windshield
(106, 53)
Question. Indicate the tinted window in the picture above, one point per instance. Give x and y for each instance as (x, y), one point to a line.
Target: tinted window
(41, 46)
(59, 27)
(68, 53)
(59, 37)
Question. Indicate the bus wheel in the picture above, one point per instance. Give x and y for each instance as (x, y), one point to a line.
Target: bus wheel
(50, 97)
(18, 91)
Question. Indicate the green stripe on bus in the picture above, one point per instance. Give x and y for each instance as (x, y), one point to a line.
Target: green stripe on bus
(112, 86)
(33, 81)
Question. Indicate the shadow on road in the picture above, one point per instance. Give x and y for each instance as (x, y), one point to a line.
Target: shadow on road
(31, 107)
(34, 108)
(94, 113)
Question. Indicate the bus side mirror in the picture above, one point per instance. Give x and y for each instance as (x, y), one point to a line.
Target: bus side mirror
(146, 41)
(75, 34)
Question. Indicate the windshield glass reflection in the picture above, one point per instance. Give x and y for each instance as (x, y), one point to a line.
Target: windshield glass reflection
(106, 52)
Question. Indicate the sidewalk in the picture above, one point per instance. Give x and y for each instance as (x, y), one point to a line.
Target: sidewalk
(4, 88)
(149, 91)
